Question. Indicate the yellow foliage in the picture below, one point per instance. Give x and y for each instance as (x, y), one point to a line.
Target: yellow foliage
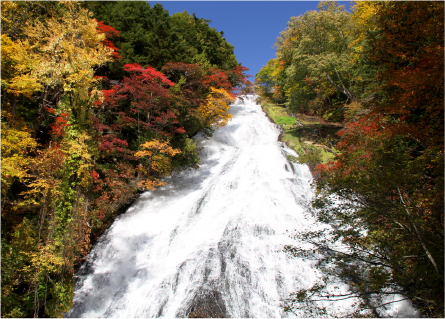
(215, 112)
(9, 64)
(71, 155)
(157, 157)
(276, 66)
(151, 184)
(59, 51)
(161, 164)
(363, 14)
(78, 150)
(45, 260)
(44, 179)
(5, 7)
(156, 146)
(354, 110)
(15, 147)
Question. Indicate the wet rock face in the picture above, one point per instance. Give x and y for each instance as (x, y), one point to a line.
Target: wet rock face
(207, 304)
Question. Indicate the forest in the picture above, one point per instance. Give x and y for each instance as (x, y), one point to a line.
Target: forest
(99, 102)
(379, 71)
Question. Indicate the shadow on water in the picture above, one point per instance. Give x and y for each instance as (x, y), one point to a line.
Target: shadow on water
(212, 295)
(206, 304)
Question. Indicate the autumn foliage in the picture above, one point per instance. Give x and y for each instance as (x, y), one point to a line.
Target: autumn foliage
(214, 112)
(384, 190)
(110, 33)
(78, 145)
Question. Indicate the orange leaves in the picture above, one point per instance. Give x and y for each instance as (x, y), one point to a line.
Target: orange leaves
(154, 147)
(151, 184)
(156, 155)
(60, 123)
(412, 66)
(215, 112)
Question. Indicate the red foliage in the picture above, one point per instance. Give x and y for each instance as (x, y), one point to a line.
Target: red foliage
(217, 79)
(239, 77)
(114, 189)
(50, 110)
(239, 80)
(139, 103)
(193, 90)
(60, 123)
(412, 67)
(329, 167)
(191, 72)
(110, 32)
(111, 145)
(95, 174)
(108, 93)
(147, 74)
(180, 130)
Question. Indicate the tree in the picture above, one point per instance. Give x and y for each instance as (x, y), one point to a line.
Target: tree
(384, 192)
(207, 46)
(49, 59)
(140, 105)
(110, 33)
(146, 34)
(149, 36)
(269, 81)
(16, 149)
(156, 157)
(188, 93)
(317, 63)
(215, 112)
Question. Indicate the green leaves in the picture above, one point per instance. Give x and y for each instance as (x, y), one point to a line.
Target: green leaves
(384, 192)
(314, 69)
(150, 36)
(71, 142)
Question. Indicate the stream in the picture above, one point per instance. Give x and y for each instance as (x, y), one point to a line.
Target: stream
(210, 243)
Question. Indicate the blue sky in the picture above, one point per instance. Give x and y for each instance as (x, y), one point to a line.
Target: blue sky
(252, 27)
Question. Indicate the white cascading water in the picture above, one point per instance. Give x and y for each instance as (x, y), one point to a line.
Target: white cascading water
(210, 243)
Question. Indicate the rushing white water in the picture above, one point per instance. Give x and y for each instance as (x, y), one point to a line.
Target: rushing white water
(212, 239)
(210, 243)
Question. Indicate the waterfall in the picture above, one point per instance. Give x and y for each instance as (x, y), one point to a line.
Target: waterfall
(210, 243)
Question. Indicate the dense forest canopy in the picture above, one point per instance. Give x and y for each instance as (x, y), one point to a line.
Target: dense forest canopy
(380, 71)
(99, 101)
